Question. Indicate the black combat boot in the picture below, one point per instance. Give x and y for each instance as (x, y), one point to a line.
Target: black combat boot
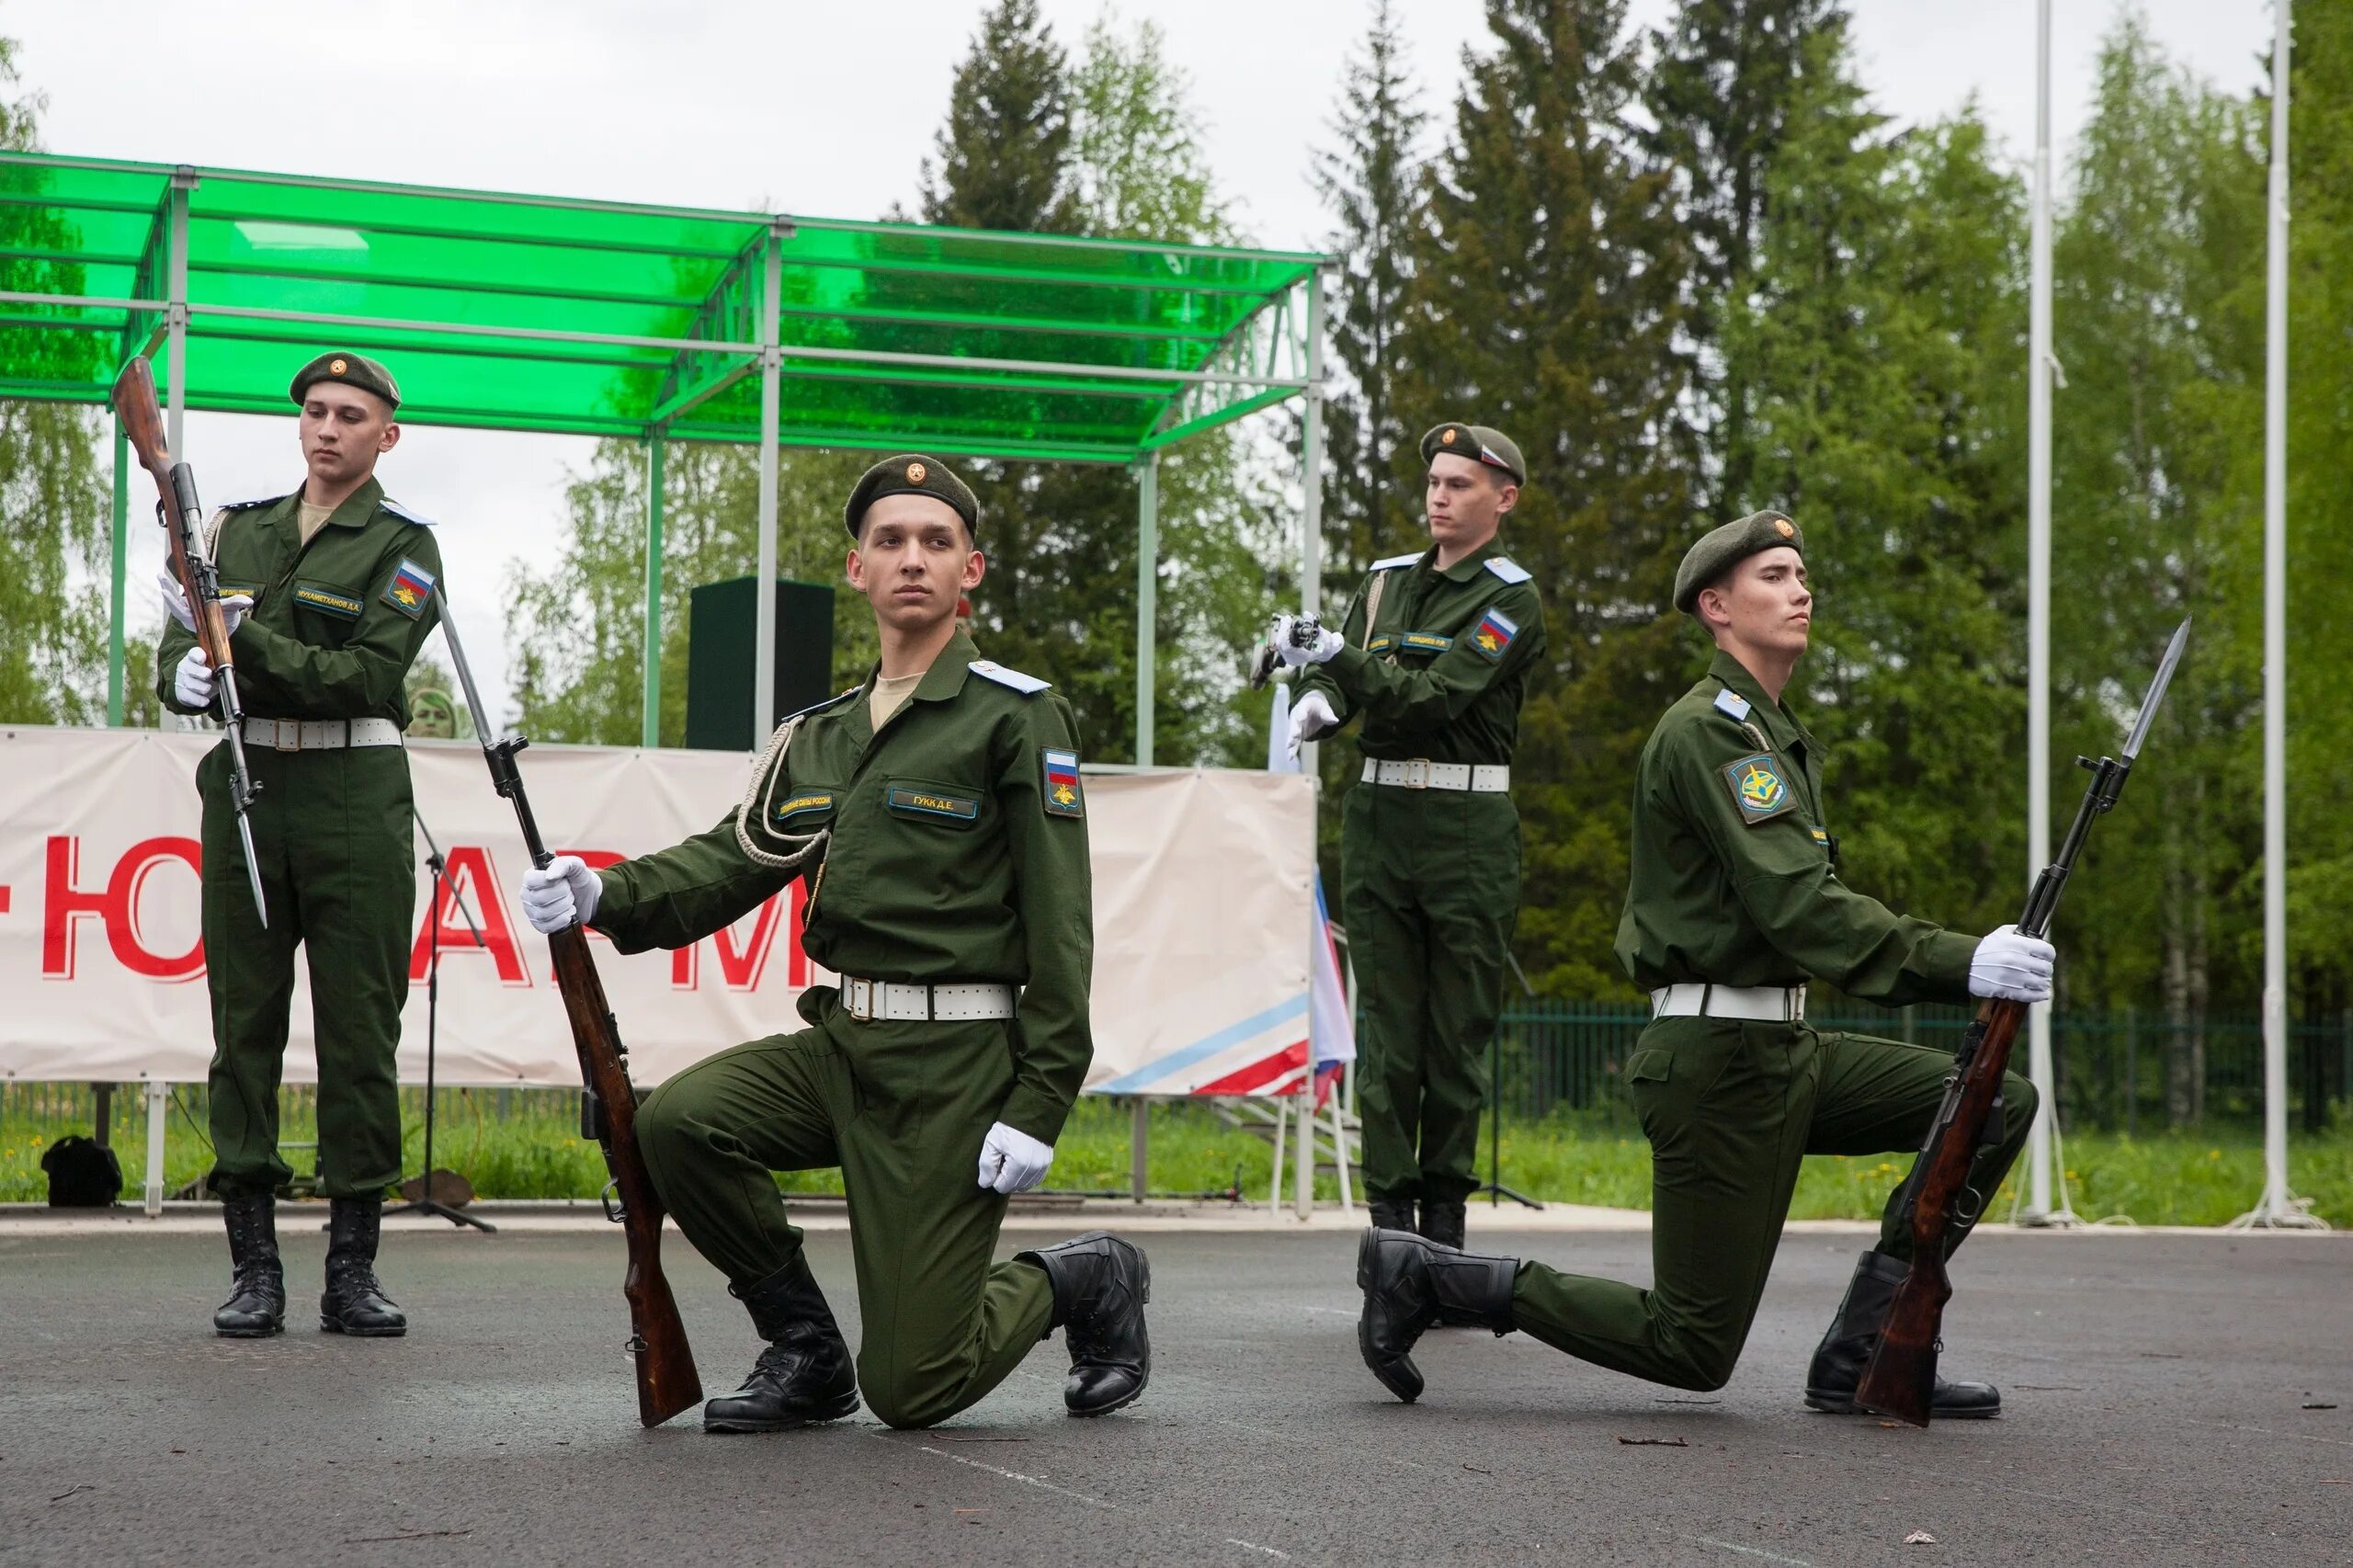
(1411, 1283)
(1442, 1222)
(1100, 1286)
(355, 1303)
(1839, 1360)
(805, 1374)
(256, 1305)
(1391, 1214)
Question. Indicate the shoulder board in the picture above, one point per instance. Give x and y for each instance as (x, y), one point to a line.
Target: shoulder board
(1731, 702)
(1510, 571)
(1393, 563)
(990, 669)
(258, 501)
(397, 510)
(829, 702)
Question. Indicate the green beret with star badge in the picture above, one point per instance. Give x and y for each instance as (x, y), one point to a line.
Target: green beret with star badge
(1479, 443)
(911, 474)
(1721, 549)
(352, 371)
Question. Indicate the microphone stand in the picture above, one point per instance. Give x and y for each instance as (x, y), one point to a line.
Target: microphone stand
(441, 884)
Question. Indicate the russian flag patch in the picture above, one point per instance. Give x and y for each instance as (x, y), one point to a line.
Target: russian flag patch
(1494, 634)
(1064, 796)
(410, 590)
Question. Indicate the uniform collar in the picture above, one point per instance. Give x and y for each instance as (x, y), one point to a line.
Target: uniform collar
(352, 512)
(1469, 566)
(948, 672)
(1779, 722)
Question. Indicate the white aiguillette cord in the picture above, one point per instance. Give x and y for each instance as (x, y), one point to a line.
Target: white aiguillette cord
(757, 803)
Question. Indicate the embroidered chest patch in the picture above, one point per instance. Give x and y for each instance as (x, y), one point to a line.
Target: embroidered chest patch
(1064, 797)
(410, 590)
(1495, 634)
(1427, 642)
(328, 601)
(802, 806)
(929, 803)
(1759, 788)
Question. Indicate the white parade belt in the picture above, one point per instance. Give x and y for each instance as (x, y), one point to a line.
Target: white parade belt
(321, 735)
(1421, 773)
(1757, 1004)
(891, 1002)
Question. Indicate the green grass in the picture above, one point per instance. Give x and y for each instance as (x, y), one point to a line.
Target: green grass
(536, 1152)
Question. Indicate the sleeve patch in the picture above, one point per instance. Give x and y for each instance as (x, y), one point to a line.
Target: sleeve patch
(1494, 634)
(1759, 789)
(1380, 643)
(1064, 796)
(989, 669)
(1508, 569)
(410, 590)
(816, 804)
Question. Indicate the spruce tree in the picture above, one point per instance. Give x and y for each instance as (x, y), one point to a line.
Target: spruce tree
(1004, 155)
(1547, 299)
(1721, 95)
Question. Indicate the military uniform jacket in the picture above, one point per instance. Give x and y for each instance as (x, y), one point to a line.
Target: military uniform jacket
(1437, 662)
(957, 852)
(336, 623)
(1733, 881)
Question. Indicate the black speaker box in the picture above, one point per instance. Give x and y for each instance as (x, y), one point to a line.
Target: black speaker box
(719, 645)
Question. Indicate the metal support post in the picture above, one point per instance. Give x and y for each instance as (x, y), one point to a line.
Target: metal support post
(118, 566)
(1311, 602)
(1147, 599)
(1138, 1143)
(657, 442)
(2038, 1209)
(2278, 1206)
(176, 309)
(158, 1104)
(771, 421)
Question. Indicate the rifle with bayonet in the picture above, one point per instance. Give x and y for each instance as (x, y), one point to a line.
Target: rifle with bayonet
(183, 518)
(1901, 1377)
(666, 1381)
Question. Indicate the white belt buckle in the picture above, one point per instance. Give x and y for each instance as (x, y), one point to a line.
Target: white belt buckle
(857, 999)
(287, 736)
(1417, 773)
(1793, 1006)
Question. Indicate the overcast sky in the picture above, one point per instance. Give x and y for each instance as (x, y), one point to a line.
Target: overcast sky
(822, 110)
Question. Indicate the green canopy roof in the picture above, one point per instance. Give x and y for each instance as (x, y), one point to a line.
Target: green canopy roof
(600, 318)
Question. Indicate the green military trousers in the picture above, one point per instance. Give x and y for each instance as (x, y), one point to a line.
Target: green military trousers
(334, 835)
(1429, 888)
(1730, 1109)
(902, 1109)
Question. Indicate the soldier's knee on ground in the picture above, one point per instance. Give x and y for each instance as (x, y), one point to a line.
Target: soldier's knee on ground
(901, 1402)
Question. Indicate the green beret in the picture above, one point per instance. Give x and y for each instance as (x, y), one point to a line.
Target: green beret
(1722, 549)
(911, 474)
(352, 371)
(1477, 441)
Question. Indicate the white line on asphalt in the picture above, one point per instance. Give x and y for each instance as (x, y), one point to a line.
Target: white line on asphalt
(1038, 1481)
(1752, 1552)
(1254, 1546)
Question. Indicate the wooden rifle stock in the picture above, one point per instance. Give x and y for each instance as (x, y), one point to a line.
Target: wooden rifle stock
(667, 1382)
(1900, 1379)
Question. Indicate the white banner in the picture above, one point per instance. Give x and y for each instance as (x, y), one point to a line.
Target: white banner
(1202, 903)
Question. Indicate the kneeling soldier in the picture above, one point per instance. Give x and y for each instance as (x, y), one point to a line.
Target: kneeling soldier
(937, 809)
(1733, 900)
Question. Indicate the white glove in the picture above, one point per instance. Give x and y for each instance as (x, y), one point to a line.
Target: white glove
(1309, 717)
(1327, 642)
(2011, 968)
(565, 891)
(193, 682)
(232, 606)
(1012, 1161)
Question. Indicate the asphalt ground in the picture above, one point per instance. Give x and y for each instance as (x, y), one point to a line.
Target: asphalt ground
(2157, 1388)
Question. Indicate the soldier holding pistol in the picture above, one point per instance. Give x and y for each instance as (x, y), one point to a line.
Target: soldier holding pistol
(1734, 900)
(936, 810)
(328, 593)
(1435, 658)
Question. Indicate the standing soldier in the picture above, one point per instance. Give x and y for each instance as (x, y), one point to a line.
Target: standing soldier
(1733, 900)
(328, 593)
(940, 802)
(1436, 657)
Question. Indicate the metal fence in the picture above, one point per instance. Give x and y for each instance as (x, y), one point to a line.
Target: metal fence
(2129, 1072)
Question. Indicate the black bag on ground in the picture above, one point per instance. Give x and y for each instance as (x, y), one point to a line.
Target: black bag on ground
(83, 1173)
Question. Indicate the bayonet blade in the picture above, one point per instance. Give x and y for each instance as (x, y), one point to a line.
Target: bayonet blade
(2150, 704)
(482, 730)
(253, 868)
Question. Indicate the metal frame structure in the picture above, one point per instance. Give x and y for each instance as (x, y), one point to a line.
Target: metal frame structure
(1105, 351)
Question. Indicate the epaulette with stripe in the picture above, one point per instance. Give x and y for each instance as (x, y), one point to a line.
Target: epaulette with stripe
(397, 510)
(1510, 571)
(989, 669)
(1394, 561)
